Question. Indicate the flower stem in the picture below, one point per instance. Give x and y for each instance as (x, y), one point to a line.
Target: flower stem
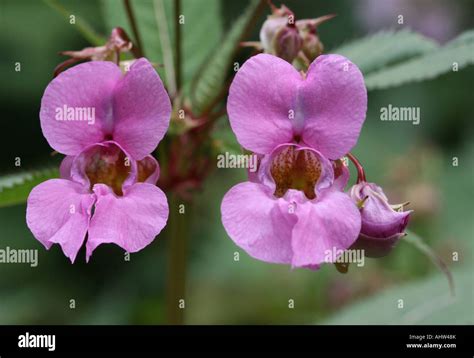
(177, 28)
(133, 24)
(176, 276)
(166, 47)
(359, 167)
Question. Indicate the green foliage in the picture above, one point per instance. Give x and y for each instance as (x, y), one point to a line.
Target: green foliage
(459, 53)
(385, 48)
(15, 188)
(418, 242)
(224, 139)
(210, 80)
(424, 302)
(201, 30)
(82, 26)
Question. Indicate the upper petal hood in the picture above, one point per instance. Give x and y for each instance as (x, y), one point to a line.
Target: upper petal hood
(89, 86)
(142, 110)
(334, 105)
(270, 104)
(133, 109)
(260, 98)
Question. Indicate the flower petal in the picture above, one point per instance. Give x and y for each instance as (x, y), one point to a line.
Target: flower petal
(330, 223)
(260, 98)
(148, 170)
(341, 175)
(258, 223)
(379, 219)
(333, 104)
(131, 221)
(65, 167)
(108, 163)
(58, 211)
(83, 88)
(142, 110)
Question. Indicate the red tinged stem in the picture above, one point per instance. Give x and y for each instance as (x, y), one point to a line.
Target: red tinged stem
(359, 167)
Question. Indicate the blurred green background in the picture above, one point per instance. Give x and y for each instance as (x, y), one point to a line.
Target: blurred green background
(413, 163)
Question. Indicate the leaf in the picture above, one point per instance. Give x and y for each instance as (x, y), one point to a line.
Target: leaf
(201, 30)
(427, 66)
(463, 39)
(211, 78)
(384, 48)
(82, 26)
(15, 188)
(424, 302)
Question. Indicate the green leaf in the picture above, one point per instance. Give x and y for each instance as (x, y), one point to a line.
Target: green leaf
(424, 302)
(201, 30)
(211, 78)
(426, 66)
(82, 26)
(15, 188)
(384, 48)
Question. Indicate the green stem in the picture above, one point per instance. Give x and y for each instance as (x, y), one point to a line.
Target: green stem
(418, 242)
(133, 24)
(166, 47)
(177, 29)
(177, 252)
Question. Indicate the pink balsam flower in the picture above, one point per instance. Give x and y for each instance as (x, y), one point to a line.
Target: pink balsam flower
(294, 210)
(107, 124)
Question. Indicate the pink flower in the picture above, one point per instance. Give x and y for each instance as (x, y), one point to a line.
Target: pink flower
(107, 187)
(294, 211)
(382, 226)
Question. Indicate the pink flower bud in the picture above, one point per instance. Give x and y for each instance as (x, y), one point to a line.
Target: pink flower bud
(287, 43)
(382, 226)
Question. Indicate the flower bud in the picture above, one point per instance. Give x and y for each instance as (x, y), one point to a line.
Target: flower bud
(312, 47)
(287, 43)
(268, 32)
(382, 226)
